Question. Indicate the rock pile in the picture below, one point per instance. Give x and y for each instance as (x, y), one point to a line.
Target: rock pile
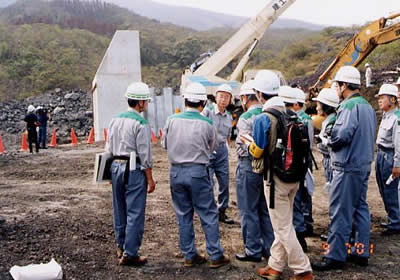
(67, 109)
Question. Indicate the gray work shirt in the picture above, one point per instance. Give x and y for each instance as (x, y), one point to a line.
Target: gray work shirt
(130, 132)
(222, 122)
(189, 137)
(389, 133)
(245, 126)
(329, 121)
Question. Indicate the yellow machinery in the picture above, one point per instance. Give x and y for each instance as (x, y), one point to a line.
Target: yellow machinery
(379, 32)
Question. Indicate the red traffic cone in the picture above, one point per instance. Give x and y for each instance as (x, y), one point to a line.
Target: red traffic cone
(74, 140)
(105, 131)
(2, 150)
(91, 136)
(53, 142)
(153, 137)
(24, 144)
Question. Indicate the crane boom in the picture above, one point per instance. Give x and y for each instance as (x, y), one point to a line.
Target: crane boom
(361, 45)
(246, 35)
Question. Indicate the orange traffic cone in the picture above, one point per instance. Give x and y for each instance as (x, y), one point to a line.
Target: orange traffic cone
(91, 136)
(153, 137)
(105, 131)
(24, 144)
(53, 142)
(74, 140)
(1, 146)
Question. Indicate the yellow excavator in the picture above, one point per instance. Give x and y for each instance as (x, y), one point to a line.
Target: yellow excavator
(379, 32)
(382, 31)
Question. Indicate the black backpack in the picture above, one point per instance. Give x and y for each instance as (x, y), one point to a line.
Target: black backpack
(290, 158)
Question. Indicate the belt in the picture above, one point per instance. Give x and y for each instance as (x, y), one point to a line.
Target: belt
(385, 149)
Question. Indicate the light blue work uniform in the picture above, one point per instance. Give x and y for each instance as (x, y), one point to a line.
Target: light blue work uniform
(388, 156)
(129, 132)
(302, 207)
(219, 160)
(352, 143)
(255, 222)
(190, 138)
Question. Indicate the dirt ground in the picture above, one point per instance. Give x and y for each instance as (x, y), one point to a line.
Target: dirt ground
(53, 210)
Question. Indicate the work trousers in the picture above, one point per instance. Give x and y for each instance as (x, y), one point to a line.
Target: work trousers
(191, 191)
(326, 162)
(32, 138)
(389, 193)
(219, 164)
(255, 222)
(129, 203)
(42, 136)
(286, 249)
(302, 210)
(348, 208)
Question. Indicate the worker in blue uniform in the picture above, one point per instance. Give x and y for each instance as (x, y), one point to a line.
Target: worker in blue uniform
(352, 144)
(219, 161)
(190, 138)
(388, 157)
(129, 143)
(255, 222)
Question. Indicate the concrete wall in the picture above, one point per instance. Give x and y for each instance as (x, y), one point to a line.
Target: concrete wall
(161, 107)
(120, 67)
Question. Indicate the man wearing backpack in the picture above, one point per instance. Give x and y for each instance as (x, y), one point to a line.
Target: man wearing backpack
(256, 227)
(286, 249)
(352, 143)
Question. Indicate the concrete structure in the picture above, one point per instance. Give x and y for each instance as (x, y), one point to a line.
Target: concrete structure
(120, 67)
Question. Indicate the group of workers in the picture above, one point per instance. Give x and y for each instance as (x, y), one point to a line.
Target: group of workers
(196, 143)
(36, 121)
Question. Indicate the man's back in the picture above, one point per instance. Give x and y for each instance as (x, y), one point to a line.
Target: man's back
(353, 134)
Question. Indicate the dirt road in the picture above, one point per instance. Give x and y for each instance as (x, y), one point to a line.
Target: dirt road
(54, 211)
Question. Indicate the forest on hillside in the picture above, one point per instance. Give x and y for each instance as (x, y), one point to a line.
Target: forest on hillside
(60, 43)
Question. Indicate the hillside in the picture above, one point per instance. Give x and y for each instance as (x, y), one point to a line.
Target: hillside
(44, 45)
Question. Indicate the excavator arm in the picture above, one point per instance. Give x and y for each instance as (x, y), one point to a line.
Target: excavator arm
(360, 46)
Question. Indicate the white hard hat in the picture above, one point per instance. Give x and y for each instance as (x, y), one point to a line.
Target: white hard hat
(388, 89)
(288, 94)
(138, 91)
(225, 88)
(301, 96)
(247, 88)
(367, 65)
(348, 74)
(398, 81)
(275, 101)
(267, 82)
(31, 108)
(195, 92)
(328, 96)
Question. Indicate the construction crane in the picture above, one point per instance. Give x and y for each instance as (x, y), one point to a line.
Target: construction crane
(379, 32)
(247, 36)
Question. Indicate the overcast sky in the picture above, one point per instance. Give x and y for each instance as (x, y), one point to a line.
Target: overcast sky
(325, 12)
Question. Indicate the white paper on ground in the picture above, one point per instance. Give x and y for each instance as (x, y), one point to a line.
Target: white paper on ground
(48, 271)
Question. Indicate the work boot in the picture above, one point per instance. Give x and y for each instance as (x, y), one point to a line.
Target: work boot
(309, 231)
(246, 258)
(303, 276)
(2, 220)
(384, 225)
(302, 241)
(196, 260)
(269, 273)
(219, 262)
(224, 218)
(358, 260)
(132, 261)
(327, 264)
